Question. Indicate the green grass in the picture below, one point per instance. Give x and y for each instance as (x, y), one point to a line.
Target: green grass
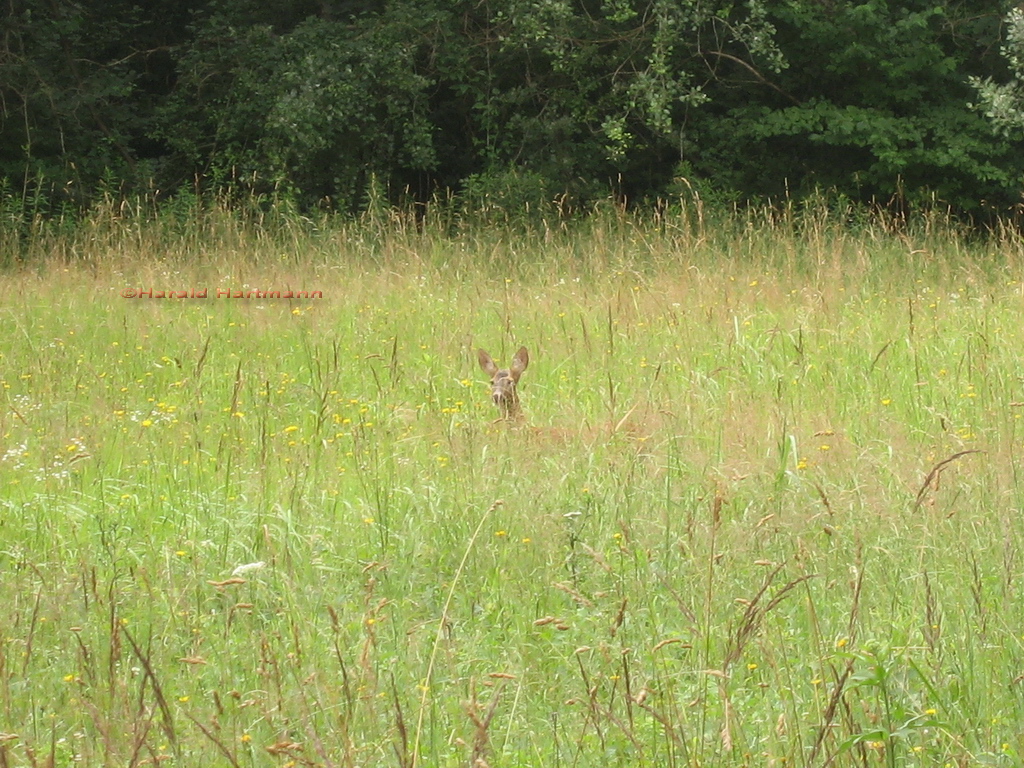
(765, 508)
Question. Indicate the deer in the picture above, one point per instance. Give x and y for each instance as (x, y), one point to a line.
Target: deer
(504, 382)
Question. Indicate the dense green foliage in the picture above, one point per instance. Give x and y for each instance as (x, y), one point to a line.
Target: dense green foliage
(1004, 102)
(506, 102)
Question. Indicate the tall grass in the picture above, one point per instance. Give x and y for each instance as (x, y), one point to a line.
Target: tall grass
(765, 508)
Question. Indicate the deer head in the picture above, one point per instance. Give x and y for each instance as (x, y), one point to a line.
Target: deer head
(504, 381)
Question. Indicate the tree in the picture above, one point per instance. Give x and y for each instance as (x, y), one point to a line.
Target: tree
(1003, 103)
(422, 94)
(874, 104)
(77, 83)
(516, 102)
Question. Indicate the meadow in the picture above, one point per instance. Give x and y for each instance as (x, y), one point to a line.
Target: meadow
(764, 508)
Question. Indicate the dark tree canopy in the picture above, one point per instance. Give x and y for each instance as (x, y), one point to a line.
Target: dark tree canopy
(507, 102)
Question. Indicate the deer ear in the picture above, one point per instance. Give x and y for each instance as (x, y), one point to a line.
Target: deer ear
(486, 362)
(520, 361)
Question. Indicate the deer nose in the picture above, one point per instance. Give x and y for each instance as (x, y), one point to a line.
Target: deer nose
(502, 391)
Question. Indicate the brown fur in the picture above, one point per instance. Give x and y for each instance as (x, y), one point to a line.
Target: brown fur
(505, 381)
